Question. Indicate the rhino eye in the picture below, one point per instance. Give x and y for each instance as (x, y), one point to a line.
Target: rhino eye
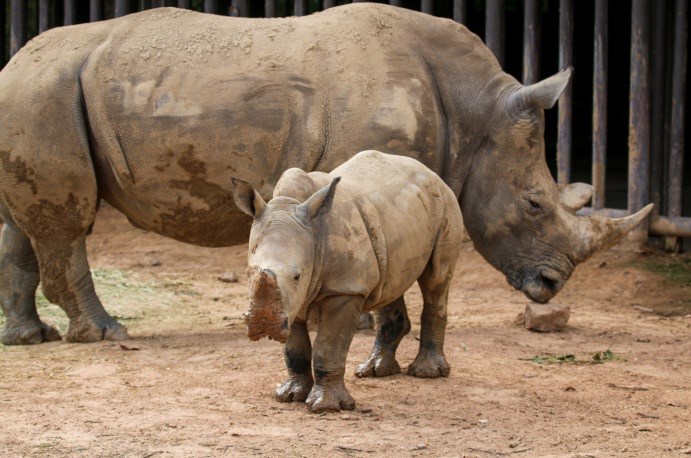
(534, 206)
(296, 277)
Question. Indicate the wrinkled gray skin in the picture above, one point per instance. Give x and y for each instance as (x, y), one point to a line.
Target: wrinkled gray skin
(330, 251)
(155, 112)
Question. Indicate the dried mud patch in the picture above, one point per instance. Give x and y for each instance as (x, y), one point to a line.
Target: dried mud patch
(190, 383)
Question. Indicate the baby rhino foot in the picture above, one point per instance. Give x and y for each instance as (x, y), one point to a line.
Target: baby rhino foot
(429, 365)
(295, 389)
(378, 365)
(32, 332)
(330, 398)
(95, 330)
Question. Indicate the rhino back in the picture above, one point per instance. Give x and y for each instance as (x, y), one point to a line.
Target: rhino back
(178, 102)
(403, 206)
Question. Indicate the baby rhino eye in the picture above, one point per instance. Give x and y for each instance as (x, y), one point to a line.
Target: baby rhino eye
(296, 277)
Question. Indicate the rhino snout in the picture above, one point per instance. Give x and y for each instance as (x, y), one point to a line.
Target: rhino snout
(266, 316)
(274, 327)
(543, 285)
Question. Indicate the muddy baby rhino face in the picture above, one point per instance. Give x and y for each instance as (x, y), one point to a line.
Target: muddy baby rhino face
(281, 257)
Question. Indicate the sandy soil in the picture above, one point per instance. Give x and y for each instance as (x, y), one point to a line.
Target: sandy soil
(191, 384)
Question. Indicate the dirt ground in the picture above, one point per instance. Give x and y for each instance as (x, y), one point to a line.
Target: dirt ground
(190, 383)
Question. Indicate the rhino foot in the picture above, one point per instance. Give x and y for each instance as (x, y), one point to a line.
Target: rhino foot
(330, 398)
(33, 332)
(94, 330)
(429, 365)
(378, 365)
(295, 389)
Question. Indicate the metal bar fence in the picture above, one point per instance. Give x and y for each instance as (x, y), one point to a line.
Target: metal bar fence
(600, 104)
(657, 121)
(494, 28)
(531, 41)
(43, 15)
(460, 10)
(3, 21)
(639, 114)
(566, 99)
(676, 153)
(656, 154)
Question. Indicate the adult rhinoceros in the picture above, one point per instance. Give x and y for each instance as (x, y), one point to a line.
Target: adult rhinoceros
(155, 112)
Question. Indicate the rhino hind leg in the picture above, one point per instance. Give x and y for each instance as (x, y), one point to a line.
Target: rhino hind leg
(298, 358)
(392, 324)
(19, 279)
(337, 325)
(66, 281)
(430, 361)
(434, 282)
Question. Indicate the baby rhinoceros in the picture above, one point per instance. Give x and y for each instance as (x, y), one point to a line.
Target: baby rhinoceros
(330, 246)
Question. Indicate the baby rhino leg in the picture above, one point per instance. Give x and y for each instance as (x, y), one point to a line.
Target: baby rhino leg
(338, 322)
(434, 284)
(430, 361)
(298, 357)
(392, 324)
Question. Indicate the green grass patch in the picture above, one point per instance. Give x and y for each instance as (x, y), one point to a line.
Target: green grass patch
(600, 357)
(676, 269)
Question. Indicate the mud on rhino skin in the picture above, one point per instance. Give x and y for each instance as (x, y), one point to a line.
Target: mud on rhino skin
(155, 112)
(357, 243)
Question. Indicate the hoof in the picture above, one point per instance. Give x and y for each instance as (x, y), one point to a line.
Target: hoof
(330, 398)
(28, 334)
(429, 365)
(378, 365)
(87, 330)
(295, 389)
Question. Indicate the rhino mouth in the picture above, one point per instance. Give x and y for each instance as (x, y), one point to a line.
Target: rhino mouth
(542, 286)
(275, 328)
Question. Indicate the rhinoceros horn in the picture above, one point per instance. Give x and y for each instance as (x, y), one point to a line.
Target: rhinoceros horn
(266, 316)
(543, 94)
(598, 232)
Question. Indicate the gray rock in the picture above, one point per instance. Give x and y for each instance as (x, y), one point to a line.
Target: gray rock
(228, 277)
(546, 317)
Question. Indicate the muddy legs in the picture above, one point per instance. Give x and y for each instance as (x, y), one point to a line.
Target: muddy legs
(18, 281)
(339, 320)
(434, 283)
(392, 324)
(315, 374)
(298, 357)
(430, 361)
(67, 282)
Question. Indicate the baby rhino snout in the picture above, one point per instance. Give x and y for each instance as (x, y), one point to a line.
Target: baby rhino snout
(266, 316)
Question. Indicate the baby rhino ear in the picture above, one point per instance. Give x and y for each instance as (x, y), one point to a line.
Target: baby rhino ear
(319, 202)
(247, 199)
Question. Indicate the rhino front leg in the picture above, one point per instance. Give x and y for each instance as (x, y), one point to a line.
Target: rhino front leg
(298, 357)
(19, 279)
(337, 325)
(66, 281)
(392, 324)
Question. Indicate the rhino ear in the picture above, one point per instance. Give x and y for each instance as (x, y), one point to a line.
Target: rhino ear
(575, 195)
(246, 198)
(319, 202)
(543, 94)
